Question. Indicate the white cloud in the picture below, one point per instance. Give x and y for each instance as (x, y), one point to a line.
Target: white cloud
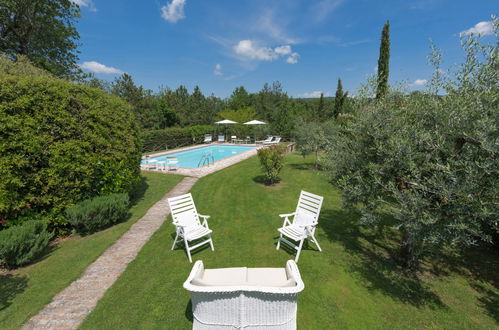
(173, 11)
(322, 9)
(313, 94)
(293, 58)
(218, 70)
(85, 3)
(283, 50)
(248, 49)
(482, 28)
(419, 82)
(97, 67)
(266, 24)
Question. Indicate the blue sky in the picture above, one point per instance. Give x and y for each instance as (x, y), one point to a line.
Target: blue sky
(306, 45)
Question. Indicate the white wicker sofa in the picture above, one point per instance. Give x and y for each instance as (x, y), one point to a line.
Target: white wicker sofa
(244, 298)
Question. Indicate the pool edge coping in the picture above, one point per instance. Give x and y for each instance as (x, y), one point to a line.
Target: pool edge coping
(206, 169)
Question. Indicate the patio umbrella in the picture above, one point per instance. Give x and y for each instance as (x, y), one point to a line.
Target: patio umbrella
(226, 122)
(255, 122)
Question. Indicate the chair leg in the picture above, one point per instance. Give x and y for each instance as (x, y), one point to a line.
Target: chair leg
(211, 244)
(175, 241)
(316, 243)
(188, 250)
(279, 242)
(299, 250)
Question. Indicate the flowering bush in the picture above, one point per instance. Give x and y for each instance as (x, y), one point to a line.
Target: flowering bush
(272, 161)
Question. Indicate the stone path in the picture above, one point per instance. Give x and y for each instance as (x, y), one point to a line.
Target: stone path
(69, 308)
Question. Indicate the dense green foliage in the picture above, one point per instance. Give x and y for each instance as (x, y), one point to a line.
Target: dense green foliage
(271, 161)
(61, 143)
(312, 137)
(351, 284)
(26, 290)
(429, 161)
(180, 108)
(99, 212)
(174, 137)
(42, 30)
(383, 62)
(21, 244)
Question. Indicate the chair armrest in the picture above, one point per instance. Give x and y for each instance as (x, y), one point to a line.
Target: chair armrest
(205, 220)
(286, 218)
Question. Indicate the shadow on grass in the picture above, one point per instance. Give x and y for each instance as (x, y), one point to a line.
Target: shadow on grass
(261, 179)
(188, 311)
(307, 246)
(138, 191)
(303, 166)
(479, 266)
(10, 287)
(373, 260)
(180, 245)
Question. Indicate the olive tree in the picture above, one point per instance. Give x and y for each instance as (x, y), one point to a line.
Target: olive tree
(429, 161)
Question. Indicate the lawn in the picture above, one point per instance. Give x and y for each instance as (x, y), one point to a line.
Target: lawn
(353, 283)
(25, 291)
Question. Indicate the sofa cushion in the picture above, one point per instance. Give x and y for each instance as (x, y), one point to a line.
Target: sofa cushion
(222, 277)
(275, 277)
(242, 276)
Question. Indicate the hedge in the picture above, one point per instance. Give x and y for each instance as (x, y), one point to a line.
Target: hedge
(22, 244)
(99, 212)
(60, 143)
(174, 137)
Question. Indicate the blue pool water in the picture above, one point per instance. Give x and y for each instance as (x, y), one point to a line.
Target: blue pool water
(191, 158)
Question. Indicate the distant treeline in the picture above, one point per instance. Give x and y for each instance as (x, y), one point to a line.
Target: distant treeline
(180, 107)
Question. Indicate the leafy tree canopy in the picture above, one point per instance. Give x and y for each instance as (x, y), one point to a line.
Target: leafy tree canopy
(43, 31)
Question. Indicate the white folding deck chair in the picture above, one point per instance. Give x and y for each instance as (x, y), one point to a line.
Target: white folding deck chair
(267, 140)
(274, 141)
(186, 220)
(207, 138)
(305, 220)
(221, 138)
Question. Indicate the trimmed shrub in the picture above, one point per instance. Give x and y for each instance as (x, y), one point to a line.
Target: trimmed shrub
(174, 137)
(272, 161)
(60, 143)
(21, 244)
(93, 214)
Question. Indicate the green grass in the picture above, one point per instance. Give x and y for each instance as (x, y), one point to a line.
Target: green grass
(352, 284)
(24, 292)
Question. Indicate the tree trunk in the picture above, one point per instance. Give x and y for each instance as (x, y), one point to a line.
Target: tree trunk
(409, 252)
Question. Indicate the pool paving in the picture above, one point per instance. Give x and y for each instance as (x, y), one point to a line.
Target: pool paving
(204, 170)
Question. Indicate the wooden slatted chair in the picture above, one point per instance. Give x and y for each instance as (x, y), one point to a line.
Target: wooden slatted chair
(304, 222)
(187, 223)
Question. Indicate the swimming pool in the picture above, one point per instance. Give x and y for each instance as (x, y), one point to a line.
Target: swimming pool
(193, 158)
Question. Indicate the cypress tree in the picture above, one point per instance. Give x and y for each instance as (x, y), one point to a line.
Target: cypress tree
(320, 109)
(383, 62)
(339, 99)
